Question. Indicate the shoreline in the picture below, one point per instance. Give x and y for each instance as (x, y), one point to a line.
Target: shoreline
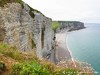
(62, 50)
(62, 41)
(70, 52)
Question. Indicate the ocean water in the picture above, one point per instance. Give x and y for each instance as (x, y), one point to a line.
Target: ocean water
(85, 45)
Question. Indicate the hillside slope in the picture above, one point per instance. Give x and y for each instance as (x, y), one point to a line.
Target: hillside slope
(13, 62)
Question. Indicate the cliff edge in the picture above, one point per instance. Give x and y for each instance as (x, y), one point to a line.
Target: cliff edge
(26, 28)
(69, 25)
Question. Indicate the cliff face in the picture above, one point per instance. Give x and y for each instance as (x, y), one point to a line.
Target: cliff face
(25, 28)
(70, 25)
(43, 35)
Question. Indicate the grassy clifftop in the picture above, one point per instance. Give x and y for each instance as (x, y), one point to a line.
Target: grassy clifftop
(18, 63)
(13, 62)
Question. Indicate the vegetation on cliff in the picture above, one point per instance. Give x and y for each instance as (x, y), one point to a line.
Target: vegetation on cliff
(55, 25)
(13, 62)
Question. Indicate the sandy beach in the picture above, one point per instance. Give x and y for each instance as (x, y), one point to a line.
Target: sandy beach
(62, 52)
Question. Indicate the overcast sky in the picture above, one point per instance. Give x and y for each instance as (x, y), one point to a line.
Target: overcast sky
(76, 10)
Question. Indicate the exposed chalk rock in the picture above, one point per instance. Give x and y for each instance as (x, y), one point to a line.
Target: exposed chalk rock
(70, 25)
(26, 28)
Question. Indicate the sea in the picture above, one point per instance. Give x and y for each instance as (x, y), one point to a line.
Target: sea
(85, 45)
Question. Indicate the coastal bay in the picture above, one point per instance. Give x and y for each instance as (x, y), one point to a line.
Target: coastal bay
(85, 46)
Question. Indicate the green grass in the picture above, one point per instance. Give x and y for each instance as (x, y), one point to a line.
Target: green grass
(28, 64)
(15, 54)
(35, 68)
(55, 25)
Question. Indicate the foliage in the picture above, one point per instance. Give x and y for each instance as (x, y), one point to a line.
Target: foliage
(12, 52)
(55, 25)
(29, 64)
(66, 72)
(34, 68)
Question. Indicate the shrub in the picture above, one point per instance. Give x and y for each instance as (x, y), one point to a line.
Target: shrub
(29, 64)
(66, 72)
(55, 25)
(33, 68)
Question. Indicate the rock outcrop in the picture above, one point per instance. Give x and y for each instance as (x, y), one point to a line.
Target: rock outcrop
(43, 35)
(26, 28)
(70, 25)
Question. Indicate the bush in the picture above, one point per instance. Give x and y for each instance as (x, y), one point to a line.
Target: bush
(32, 68)
(55, 25)
(66, 72)
(35, 68)
(29, 64)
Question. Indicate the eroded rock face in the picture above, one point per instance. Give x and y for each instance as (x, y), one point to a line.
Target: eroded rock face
(70, 25)
(43, 35)
(19, 28)
(2, 30)
(16, 23)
